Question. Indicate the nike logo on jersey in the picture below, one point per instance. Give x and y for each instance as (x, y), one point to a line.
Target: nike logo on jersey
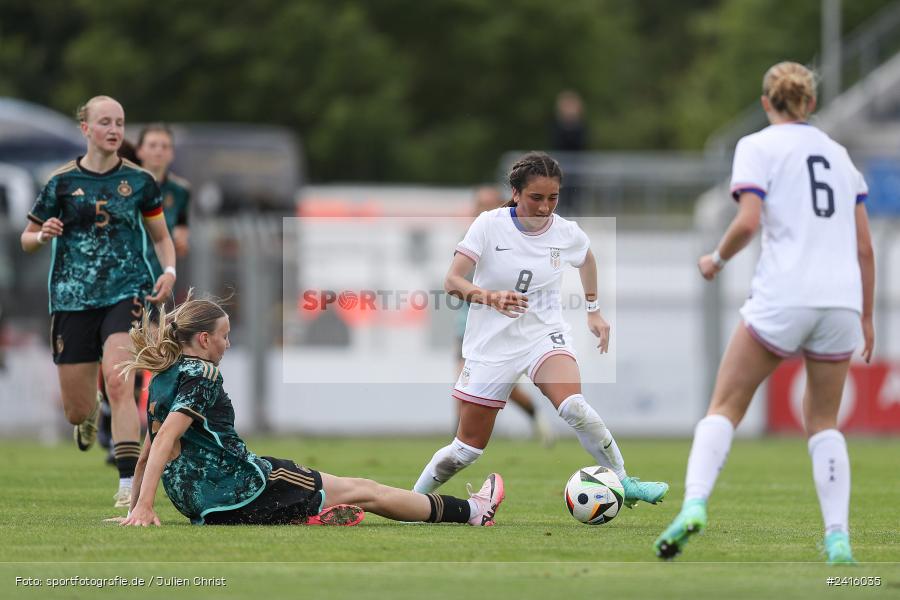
(78, 192)
(499, 249)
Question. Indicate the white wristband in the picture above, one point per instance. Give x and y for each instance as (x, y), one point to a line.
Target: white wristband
(717, 259)
(40, 238)
(592, 305)
(171, 270)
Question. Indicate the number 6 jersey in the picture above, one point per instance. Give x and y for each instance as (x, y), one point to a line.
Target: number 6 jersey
(507, 257)
(810, 189)
(99, 258)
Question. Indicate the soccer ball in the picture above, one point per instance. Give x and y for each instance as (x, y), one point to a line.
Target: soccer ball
(594, 495)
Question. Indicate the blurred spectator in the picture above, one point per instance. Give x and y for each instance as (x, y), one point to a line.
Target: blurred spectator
(569, 131)
(569, 134)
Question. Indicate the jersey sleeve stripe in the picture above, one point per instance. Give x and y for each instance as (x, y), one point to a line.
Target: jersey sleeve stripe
(861, 198)
(467, 253)
(189, 412)
(34, 219)
(153, 212)
(740, 188)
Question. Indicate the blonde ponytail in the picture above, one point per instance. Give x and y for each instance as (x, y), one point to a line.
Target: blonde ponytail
(790, 87)
(155, 348)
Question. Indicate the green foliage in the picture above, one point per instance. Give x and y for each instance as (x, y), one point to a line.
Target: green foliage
(402, 90)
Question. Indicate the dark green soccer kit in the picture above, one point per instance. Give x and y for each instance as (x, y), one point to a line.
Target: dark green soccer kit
(214, 478)
(99, 273)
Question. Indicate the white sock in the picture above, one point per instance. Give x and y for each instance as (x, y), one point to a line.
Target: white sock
(592, 433)
(125, 481)
(446, 462)
(712, 441)
(831, 473)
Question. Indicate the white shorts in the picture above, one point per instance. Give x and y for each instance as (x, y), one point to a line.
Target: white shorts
(489, 384)
(826, 334)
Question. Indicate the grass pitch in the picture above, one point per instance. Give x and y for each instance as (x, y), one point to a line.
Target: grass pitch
(762, 541)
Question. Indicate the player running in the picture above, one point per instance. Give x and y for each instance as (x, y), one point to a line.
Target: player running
(487, 197)
(207, 470)
(812, 289)
(515, 324)
(94, 211)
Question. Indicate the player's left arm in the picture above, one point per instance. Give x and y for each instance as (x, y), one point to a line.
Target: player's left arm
(739, 233)
(172, 429)
(866, 258)
(596, 323)
(165, 251)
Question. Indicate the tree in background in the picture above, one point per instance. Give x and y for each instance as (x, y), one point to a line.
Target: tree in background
(400, 90)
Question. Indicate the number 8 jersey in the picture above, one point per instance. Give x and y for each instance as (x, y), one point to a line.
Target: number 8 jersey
(810, 189)
(99, 259)
(508, 257)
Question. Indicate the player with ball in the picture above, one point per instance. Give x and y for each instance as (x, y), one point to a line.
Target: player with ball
(515, 324)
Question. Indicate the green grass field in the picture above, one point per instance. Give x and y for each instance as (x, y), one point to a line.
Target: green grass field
(762, 541)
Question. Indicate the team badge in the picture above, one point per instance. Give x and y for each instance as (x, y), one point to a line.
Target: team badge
(60, 344)
(554, 258)
(169, 201)
(124, 188)
(466, 373)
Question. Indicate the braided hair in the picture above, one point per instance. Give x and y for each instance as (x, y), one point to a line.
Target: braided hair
(533, 164)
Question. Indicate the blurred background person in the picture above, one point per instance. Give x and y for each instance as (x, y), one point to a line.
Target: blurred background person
(569, 135)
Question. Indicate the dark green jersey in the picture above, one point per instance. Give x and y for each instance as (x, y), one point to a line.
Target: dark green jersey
(176, 197)
(99, 259)
(212, 469)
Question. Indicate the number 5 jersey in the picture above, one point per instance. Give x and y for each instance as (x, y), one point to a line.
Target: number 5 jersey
(100, 257)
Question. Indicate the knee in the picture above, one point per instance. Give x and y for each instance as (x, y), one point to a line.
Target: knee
(119, 389)
(366, 490)
(575, 411)
(75, 414)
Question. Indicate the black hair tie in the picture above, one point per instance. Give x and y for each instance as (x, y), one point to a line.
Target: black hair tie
(174, 326)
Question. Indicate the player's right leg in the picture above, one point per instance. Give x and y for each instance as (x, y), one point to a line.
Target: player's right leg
(482, 390)
(744, 366)
(478, 510)
(476, 423)
(76, 352)
(77, 384)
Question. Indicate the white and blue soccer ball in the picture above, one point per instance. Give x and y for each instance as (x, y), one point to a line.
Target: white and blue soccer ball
(594, 495)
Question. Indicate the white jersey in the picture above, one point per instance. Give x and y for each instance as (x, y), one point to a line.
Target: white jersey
(510, 258)
(810, 190)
